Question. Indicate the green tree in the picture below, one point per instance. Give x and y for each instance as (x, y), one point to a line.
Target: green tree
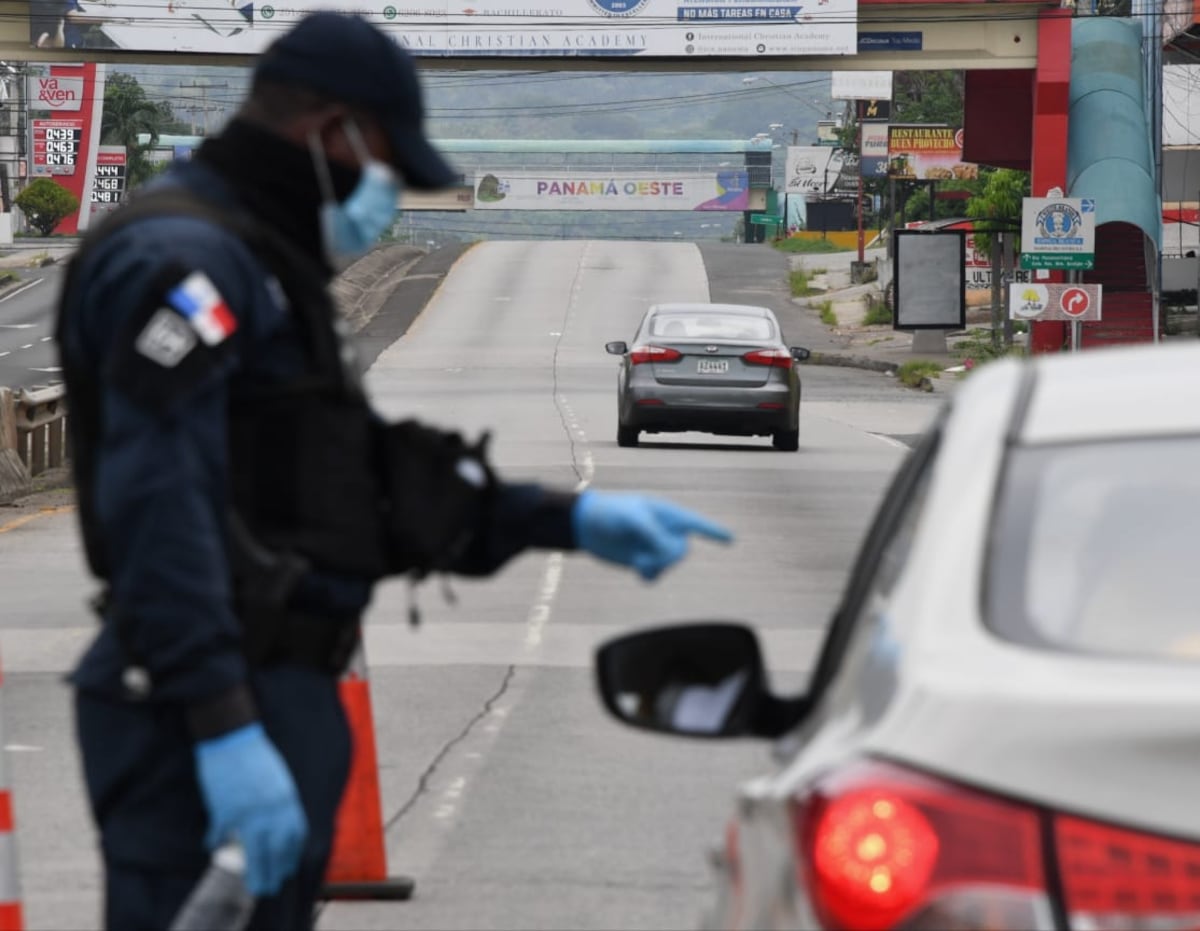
(45, 204)
(1000, 199)
(928, 97)
(128, 113)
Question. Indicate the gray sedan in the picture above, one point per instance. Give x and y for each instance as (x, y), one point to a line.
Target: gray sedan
(713, 368)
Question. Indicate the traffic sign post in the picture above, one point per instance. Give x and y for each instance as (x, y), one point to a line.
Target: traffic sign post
(1071, 303)
(765, 219)
(1058, 233)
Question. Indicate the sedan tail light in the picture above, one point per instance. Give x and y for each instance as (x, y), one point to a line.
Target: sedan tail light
(775, 358)
(1119, 879)
(882, 847)
(640, 354)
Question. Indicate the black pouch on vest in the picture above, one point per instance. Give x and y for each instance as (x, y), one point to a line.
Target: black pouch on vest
(437, 491)
(306, 481)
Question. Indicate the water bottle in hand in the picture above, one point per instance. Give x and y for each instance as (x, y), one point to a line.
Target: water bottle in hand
(220, 901)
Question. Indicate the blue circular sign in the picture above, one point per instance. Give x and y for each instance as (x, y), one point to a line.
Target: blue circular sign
(618, 7)
(1059, 221)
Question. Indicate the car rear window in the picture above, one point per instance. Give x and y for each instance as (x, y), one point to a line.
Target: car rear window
(711, 326)
(1094, 549)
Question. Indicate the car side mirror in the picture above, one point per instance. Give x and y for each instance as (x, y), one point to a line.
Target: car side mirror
(799, 353)
(619, 348)
(696, 680)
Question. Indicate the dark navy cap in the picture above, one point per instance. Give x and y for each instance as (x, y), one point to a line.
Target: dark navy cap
(351, 61)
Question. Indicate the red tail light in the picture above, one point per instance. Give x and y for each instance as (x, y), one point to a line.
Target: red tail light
(1119, 879)
(640, 354)
(880, 847)
(775, 358)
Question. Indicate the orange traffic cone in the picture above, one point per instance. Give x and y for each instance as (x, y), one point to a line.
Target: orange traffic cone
(358, 865)
(11, 917)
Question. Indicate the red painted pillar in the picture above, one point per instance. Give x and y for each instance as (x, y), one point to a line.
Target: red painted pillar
(1051, 105)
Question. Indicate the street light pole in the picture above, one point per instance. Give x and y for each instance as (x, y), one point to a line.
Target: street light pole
(858, 145)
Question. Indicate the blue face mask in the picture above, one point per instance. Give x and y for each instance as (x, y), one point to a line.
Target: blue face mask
(349, 228)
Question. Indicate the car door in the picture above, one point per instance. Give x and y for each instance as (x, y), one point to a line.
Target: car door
(881, 558)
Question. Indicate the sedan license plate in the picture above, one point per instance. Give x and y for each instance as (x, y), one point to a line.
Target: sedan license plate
(712, 366)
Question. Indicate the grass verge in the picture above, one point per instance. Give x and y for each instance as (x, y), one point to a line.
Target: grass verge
(912, 372)
(828, 317)
(804, 246)
(798, 281)
(877, 314)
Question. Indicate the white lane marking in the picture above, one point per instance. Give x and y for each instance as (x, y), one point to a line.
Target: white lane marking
(22, 748)
(3, 354)
(891, 441)
(587, 466)
(450, 798)
(46, 339)
(50, 370)
(27, 346)
(539, 614)
(17, 326)
(21, 290)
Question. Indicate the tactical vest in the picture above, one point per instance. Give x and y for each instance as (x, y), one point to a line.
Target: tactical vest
(304, 478)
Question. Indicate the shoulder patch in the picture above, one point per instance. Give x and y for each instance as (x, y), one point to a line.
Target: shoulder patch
(166, 339)
(202, 305)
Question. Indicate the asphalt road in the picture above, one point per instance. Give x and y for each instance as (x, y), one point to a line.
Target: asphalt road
(509, 796)
(28, 355)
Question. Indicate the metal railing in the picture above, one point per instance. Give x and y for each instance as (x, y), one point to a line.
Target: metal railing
(38, 431)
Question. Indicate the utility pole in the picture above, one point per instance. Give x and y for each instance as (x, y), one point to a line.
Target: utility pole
(858, 148)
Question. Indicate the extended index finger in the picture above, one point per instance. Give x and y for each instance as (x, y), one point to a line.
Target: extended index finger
(680, 520)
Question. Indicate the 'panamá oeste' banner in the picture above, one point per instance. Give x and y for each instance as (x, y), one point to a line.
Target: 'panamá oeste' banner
(524, 190)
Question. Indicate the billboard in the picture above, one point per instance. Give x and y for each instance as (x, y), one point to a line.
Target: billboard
(930, 280)
(874, 147)
(478, 29)
(861, 85)
(808, 170)
(928, 153)
(526, 190)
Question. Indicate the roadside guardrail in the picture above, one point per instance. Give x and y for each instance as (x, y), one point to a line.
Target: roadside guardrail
(33, 433)
(41, 420)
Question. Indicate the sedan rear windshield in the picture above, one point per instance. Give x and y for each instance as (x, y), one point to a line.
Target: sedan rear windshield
(1095, 549)
(711, 326)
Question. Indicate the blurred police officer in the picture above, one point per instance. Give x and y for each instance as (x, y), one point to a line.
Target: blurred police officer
(238, 497)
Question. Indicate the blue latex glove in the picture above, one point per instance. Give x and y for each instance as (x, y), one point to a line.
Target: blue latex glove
(250, 796)
(646, 533)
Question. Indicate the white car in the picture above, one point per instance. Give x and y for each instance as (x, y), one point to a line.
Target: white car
(1003, 727)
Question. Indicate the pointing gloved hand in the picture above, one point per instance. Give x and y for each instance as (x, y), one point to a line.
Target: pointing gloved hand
(250, 796)
(648, 534)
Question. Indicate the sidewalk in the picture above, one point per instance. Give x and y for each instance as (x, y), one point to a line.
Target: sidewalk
(845, 337)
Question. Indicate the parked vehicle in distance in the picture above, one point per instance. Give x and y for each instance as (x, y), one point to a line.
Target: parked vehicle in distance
(1001, 730)
(712, 368)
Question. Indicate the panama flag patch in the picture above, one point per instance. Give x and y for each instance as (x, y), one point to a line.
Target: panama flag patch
(198, 299)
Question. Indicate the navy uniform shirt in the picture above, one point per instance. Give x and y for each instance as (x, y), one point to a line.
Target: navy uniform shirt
(174, 317)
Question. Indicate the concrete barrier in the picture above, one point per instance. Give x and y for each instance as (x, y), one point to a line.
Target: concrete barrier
(33, 437)
(14, 477)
